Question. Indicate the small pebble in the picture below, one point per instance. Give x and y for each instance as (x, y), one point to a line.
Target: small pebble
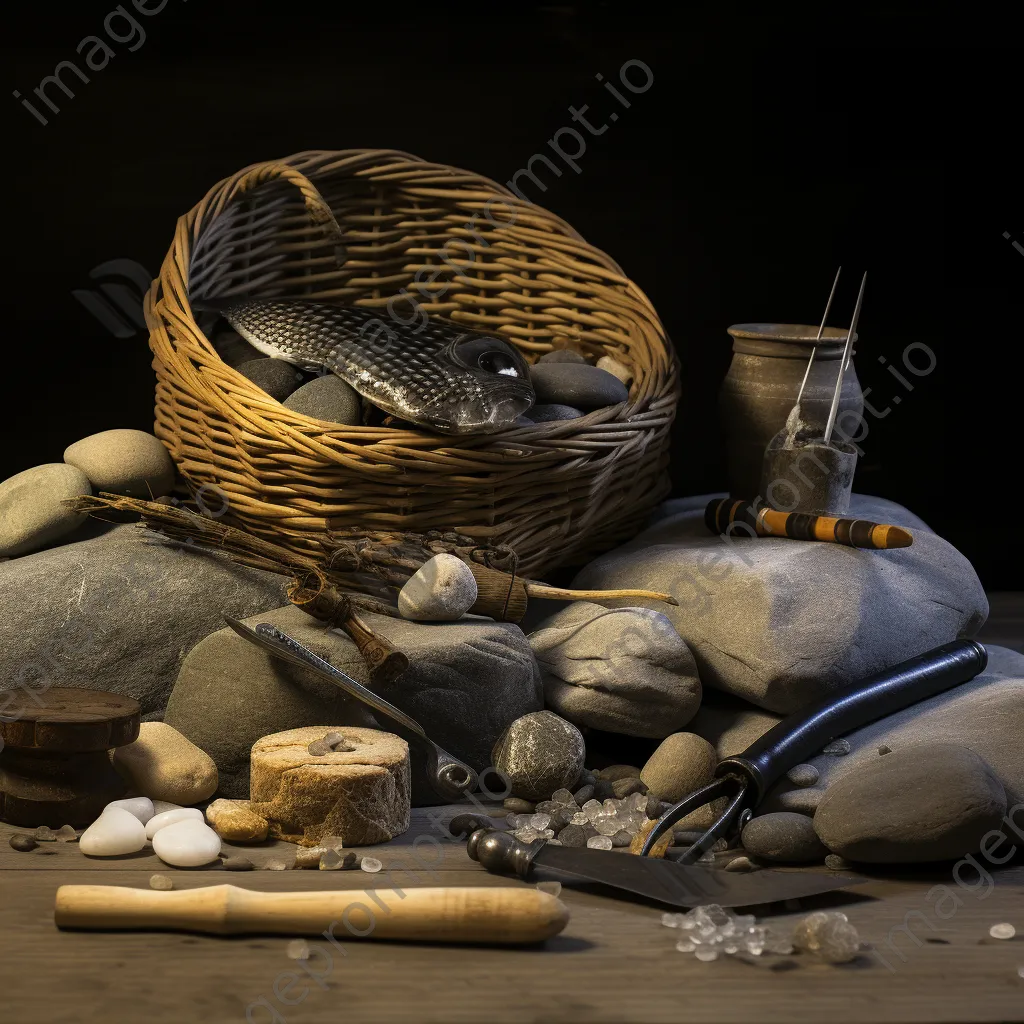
(22, 843)
(237, 864)
(883, 750)
(836, 863)
(516, 805)
(603, 790)
(45, 834)
(337, 742)
(465, 824)
(653, 807)
(371, 864)
(160, 882)
(741, 864)
(573, 835)
(308, 857)
(828, 935)
(1002, 931)
(587, 778)
(685, 838)
(274, 376)
(622, 788)
(599, 843)
(66, 834)
(551, 888)
(803, 775)
(275, 864)
(319, 748)
(583, 794)
(838, 748)
(561, 355)
(621, 838)
(297, 949)
(614, 772)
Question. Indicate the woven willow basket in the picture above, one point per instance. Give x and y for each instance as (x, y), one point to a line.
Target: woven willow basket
(464, 248)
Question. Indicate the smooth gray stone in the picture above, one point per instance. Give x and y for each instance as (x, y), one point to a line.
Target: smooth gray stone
(622, 670)
(783, 837)
(784, 622)
(31, 513)
(576, 384)
(466, 682)
(327, 398)
(562, 355)
(131, 462)
(682, 764)
(552, 413)
(119, 612)
(274, 376)
(930, 802)
(539, 753)
(234, 349)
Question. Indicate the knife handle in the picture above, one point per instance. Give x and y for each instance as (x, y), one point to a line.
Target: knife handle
(508, 915)
(501, 853)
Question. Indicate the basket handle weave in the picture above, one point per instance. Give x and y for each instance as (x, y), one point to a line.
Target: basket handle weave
(319, 212)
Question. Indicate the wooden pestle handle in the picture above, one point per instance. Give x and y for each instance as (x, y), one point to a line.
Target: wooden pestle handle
(508, 915)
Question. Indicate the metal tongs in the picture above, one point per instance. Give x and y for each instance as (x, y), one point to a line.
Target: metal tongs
(449, 777)
(744, 779)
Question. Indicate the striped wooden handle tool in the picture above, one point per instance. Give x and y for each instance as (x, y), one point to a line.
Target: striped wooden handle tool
(766, 522)
(494, 914)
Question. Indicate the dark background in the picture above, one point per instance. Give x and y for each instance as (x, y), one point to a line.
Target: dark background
(770, 149)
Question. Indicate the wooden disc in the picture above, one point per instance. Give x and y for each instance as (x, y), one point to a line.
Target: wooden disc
(68, 719)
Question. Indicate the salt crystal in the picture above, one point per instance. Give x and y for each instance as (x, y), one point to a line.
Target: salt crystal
(606, 826)
(371, 864)
(160, 882)
(330, 860)
(611, 806)
(593, 809)
(510, 820)
(551, 888)
(670, 920)
(685, 946)
(298, 949)
(579, 818)
(775, 942)
(274, 864)
(526, 835)
(838, 748)
(563, 796)
(548, 833)
(1020, 972)
(599, 843)
(45, 834)
(706, 858)
(1002, 931)
(706, 955)
(66, 834)
(540, 821)
(828, 935)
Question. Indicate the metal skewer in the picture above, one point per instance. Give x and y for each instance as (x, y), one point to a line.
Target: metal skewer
(821, 331)
(845, 361)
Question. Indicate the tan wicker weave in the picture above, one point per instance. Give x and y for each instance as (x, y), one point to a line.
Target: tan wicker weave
(556, 492)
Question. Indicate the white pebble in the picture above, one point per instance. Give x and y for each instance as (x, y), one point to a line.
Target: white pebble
(599, 843)
(1002, 931)
(187, 844)
(160, 882)
(140, 806)
(114, 833)
(298, 949)
(370, 864)
(165, 818)
(441, 590)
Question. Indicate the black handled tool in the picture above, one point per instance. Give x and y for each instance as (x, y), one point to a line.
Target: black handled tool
(744, 779)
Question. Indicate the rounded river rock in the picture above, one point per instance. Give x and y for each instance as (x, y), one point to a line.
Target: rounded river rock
(580, 385)
(538, 754)
(784, 836)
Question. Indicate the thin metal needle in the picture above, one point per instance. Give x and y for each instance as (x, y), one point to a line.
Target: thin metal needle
(845, 360)
(821, 331)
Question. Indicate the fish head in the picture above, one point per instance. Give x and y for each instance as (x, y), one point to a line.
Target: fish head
(488, 386)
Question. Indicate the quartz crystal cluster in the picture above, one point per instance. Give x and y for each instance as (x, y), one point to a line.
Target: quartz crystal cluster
(829, 935)
(711, 930)
(615, 821)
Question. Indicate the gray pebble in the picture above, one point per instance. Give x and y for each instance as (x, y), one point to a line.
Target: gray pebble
(883, 750)
(573, 835)
(538, 754)
(561, 818)
(741, 864)
(22, 843)
(31, 511)
(803, 775)
(161, 883)
(237, 864)
(464, 824)
(621, 838)
(553, 413)
(327, 398)
(562, 355)
(653, 809)
(622, 788)
(836, 863)
(581, 386)
(583, 794)
(838, 748)
(319, 748)
(785, 837)
(614, 772)
(274, 376)
(588, 778)
(516, 805)
(589, 830)
(603, 790)
(685, 837)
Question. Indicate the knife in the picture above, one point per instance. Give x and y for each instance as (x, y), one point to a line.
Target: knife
(679, 885)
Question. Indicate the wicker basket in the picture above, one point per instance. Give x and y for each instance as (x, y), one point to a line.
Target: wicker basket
(465, 248)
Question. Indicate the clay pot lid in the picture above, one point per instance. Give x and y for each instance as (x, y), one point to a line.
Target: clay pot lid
(68, 718)
(803, 334)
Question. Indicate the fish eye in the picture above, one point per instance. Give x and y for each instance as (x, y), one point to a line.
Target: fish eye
(492, 355)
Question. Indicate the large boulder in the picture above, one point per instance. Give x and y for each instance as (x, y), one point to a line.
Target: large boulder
(623, 670)
(118, 612)
(783, 622)
(466, 682)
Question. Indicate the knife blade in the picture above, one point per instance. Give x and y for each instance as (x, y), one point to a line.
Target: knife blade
(678, 885)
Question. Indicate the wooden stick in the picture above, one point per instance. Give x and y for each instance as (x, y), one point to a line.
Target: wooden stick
(510, 915)
(854, 533)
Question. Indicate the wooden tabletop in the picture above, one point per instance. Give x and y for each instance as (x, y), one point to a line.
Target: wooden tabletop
(932, 960)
